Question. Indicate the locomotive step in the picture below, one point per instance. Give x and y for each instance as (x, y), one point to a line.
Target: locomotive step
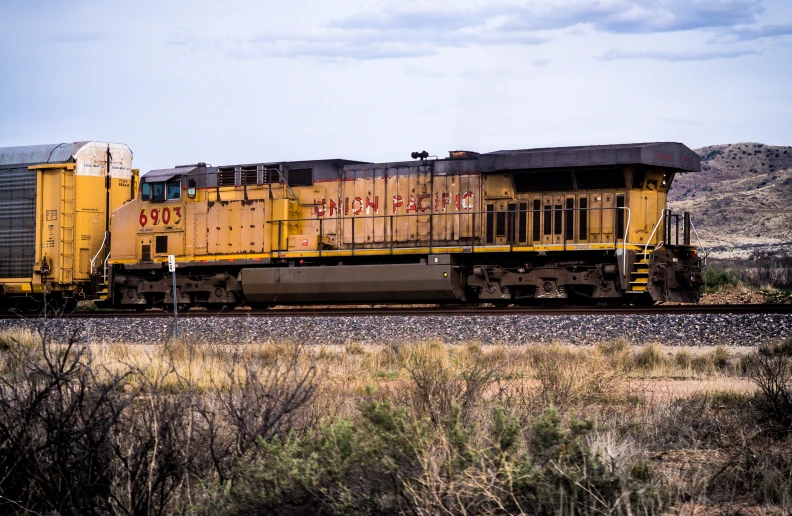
(639, 281)
(637, 288)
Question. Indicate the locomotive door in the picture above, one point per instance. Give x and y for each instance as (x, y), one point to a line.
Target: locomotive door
(536, 220)
(351, 206)
(569, 219)
(558, 219)
(547, 219)
(423, 202)
(443, 226)
(621, 217)
(517, 222)
(583, 218)
(495, 231)
(602, 217)
(595, 217)
(608, 217)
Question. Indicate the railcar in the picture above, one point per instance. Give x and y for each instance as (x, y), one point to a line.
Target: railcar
(576, 225)
(55, 202)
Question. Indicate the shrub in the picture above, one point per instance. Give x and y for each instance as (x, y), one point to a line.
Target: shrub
(716, 279)
(387, 462)
(650, 357)
(770, 368)
(569, 378)
(78, 438)
(683, 359)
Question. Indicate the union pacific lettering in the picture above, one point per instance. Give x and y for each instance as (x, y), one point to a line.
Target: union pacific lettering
(422, 203)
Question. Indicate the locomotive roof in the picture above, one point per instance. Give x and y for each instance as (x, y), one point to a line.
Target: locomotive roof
(39, 154)
(164, 174)
(664, 154)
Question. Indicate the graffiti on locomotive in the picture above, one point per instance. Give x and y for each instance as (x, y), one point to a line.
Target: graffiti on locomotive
(422, 203)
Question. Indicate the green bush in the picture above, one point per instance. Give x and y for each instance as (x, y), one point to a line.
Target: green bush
(716, 279)
(388, 462)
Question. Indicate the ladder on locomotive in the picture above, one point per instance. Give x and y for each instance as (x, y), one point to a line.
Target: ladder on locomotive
(102, 287)
(639, 275)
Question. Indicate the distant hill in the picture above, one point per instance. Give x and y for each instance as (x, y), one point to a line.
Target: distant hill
(741, 201)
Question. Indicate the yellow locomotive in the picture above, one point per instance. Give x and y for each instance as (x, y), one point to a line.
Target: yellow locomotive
(55, 203)
(573, 225)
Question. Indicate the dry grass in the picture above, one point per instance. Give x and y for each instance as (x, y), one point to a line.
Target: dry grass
(564, 375)
(674, 418)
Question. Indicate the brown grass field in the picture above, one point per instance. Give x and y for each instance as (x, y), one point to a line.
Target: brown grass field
(419, 428)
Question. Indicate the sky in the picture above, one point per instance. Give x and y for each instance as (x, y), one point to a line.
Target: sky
(237, 82)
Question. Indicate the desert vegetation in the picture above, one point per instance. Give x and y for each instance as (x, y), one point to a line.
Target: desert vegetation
(769, 273)
(418, 428)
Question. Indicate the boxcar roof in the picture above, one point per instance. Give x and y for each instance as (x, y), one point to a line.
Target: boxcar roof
(38, 154)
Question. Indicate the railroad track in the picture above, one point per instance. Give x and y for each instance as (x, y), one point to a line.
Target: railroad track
(340, 311)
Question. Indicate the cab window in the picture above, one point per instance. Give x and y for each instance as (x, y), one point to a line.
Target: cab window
(174, 190)
(157, 191)
(145, 191)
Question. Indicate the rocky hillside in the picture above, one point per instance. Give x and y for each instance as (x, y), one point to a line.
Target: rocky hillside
(741, 201)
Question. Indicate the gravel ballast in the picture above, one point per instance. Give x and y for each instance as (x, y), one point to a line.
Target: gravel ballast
(679, 330)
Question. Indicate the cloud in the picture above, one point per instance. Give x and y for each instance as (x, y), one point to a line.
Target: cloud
(765, 31)
(368, 44)
(541, 62)
(407, 29)
(619, 55)
(329, 49)
(615, 16)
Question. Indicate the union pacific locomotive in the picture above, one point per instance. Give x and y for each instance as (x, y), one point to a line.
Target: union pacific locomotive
(577, 225)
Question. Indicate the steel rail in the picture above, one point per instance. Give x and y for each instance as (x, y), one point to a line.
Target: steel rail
(465, 311)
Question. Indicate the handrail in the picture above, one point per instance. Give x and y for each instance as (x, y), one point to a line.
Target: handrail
(387, 219)
(93, 268)
(104, 268)
(699, 241)
(624, 241)
(662, 214)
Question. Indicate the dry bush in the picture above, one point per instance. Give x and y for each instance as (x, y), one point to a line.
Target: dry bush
(618, 352)
(770, 368)
(683, 359)
(79, 437)
(355, 349)
(650, 357)
(571, 378)
(440, 381)
(189, 427)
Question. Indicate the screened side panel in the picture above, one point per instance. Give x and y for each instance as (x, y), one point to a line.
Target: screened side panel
(17, 222)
